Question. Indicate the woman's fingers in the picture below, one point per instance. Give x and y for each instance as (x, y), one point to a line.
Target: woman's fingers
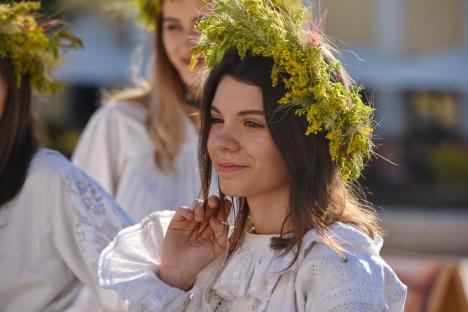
(182, 214)
(212, 218)
(198, 210)
(218, 209)
(212, 204)
(203, 211)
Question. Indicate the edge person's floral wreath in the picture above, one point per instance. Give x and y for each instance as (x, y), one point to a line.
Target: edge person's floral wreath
(33, 48)
(261, 28)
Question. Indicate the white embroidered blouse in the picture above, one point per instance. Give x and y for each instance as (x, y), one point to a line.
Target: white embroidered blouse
(255, 277)
(116, 150)
(51, 235)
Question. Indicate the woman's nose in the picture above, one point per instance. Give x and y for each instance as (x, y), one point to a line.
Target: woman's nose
(226, 141)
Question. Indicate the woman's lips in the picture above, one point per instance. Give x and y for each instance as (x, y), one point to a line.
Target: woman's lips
(229, 167)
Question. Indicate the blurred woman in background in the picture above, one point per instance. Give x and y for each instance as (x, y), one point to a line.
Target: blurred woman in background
(54, 220)
(142, 146)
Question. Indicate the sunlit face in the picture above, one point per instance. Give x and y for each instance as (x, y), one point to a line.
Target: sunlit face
(3, 95)
(240, 145)
(178, 36)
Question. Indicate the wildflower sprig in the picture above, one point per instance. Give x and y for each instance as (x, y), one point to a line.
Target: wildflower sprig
(143, 12)
(262, 28)
(147, 12)
(34, 49)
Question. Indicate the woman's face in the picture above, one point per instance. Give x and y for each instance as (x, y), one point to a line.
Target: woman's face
(178, 36)
(3, 95)
(241, 148)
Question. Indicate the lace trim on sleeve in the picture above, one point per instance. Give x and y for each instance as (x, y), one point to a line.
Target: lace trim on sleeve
(358, 307)
(96, 218)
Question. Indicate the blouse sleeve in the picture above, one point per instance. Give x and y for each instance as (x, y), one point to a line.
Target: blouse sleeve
(97, 150)
(84, 220)
(130, 263)
(349, 284)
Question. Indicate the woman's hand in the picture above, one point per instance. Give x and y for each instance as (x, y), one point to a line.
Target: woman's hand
(184, 253)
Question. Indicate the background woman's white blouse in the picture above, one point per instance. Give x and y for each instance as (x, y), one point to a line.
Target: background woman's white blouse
(51, 235)
(116, 150)
(255, 277)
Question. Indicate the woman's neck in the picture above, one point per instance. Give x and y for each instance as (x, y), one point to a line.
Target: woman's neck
(269, 210)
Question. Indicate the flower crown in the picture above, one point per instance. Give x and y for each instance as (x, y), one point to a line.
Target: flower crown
(148, 9)
(261, 28)
(34, 50)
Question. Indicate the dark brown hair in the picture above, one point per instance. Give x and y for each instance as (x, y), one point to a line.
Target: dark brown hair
(318, 196)
(17, 141)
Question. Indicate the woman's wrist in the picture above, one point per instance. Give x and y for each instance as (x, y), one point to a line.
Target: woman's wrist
(176, 277)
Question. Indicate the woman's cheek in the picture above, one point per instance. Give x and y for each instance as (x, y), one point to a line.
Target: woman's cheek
(210, 145)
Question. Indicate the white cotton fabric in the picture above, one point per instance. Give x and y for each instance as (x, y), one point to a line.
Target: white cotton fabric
(255, 277)
(116, 150)
(51, 235)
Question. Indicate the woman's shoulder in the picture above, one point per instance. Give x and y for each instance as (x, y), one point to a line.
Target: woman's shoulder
(356, 272)
(348, 238)
(354, 251)
(357, 256)
(47, 164)
(52, 175)
(48, 175)
(353, 248)
(121, 112)
(50, 168)
(121, 125)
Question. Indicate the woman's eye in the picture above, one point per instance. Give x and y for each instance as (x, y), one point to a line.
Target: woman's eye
(252, 124)
(215, 120)
(173, 27)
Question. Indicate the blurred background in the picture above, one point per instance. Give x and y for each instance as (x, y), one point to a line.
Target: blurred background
(412, 58)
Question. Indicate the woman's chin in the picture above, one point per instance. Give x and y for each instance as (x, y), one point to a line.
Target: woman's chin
(232, 190)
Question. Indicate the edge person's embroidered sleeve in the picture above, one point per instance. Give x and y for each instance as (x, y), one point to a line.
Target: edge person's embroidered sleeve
(84, 219)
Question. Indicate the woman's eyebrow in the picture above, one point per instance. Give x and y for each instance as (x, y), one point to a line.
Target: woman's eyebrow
(242, 113)
(251, 112)
(170, 19)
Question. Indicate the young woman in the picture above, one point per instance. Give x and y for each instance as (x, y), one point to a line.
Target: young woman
(54, 220)
(142, 147)
(301, 240)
